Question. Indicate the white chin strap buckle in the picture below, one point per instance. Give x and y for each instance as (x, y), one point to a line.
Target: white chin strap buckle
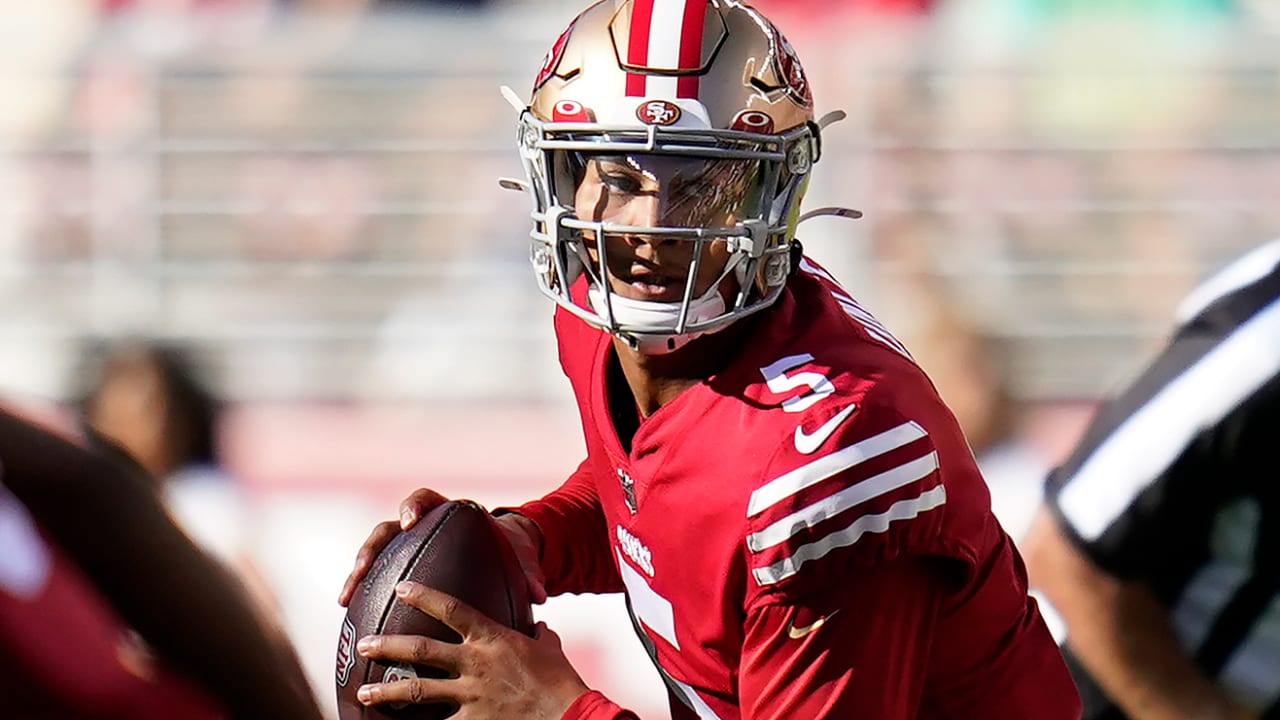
(656, 344)
(616, 313)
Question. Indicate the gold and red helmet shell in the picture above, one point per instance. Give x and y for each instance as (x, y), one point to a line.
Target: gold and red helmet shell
(616, 57)
(708, 79)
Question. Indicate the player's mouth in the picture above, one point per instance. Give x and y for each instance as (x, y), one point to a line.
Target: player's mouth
(649, 286)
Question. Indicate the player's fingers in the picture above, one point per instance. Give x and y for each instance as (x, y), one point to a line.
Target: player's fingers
(419, 691)
(418, 503)
(411, 649)
(378, 539)
(542, 632)
(451, 611)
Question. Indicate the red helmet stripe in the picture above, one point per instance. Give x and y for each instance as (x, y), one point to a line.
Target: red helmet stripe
(638, 45)
(691, 31)
(653, 44)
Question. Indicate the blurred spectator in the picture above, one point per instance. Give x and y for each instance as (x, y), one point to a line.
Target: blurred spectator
(1160, 546)
(814, 10)
(305, 208)
(150, 401)
(972, 369)
(424, 4)
(88, 553)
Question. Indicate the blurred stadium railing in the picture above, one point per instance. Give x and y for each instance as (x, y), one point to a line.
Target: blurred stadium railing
(313, 200)
(310, 199)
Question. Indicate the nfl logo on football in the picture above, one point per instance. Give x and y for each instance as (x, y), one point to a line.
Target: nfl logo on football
(346, 651)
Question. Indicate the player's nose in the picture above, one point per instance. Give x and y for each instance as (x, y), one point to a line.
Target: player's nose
(646, 212)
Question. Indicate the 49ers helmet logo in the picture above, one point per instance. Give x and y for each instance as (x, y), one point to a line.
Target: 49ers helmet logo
(791, 72)
(658, 112)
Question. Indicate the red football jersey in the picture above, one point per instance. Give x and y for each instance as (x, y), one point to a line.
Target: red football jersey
(64, 653)
(804, 535)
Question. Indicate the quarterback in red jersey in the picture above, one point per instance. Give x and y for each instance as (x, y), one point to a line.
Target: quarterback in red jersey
(796, 520)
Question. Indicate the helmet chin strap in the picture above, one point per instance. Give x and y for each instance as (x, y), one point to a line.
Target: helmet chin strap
(628, 313)
(642, 313)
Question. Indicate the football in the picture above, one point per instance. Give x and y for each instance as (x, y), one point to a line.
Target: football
(456, 548)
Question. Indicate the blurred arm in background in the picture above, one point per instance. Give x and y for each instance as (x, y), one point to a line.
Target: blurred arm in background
(106, 516)
(1121, 633)
(1159, 544)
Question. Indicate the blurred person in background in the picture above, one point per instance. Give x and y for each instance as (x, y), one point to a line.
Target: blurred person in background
(970, 367)
(87, 557)
(792, 512)
(150, 400)
(1160, 546)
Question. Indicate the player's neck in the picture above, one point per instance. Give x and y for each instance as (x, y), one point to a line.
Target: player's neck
(656, 380)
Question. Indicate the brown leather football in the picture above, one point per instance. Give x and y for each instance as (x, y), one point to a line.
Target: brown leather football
(456, 548)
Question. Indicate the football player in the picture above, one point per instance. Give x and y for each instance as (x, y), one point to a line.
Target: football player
(793, 514)
(88, 556)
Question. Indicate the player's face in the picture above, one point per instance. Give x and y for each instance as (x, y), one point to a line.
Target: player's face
(650, 191)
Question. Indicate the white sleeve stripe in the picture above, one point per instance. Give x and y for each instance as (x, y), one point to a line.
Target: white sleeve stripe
(889, 340)
(1139, 451)
(863, 317)
(878, 523)
(824, 467)
(812, 269)
(850, 497)
(858, 313)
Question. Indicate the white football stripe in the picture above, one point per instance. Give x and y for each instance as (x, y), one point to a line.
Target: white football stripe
(785, 486)
(1146, 444)
(850, 497)
(878, 523)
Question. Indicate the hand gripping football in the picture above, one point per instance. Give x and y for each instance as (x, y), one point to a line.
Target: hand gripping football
(456, 548)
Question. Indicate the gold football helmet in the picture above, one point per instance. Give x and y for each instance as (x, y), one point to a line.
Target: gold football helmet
(711, 84)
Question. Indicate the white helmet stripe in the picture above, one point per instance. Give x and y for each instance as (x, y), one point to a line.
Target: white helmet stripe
(651, 44)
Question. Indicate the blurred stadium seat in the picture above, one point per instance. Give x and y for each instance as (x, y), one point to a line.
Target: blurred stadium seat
(307, 193)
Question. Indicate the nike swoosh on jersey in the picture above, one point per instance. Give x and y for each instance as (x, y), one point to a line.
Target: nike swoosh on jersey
(808, 443)
(795, 633)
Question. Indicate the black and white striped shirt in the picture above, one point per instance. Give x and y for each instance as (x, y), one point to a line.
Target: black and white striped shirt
(1175, 484)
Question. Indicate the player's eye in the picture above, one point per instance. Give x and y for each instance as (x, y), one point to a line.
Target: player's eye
(621, 182)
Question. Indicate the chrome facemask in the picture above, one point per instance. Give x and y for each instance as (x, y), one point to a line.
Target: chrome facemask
(770, 172)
